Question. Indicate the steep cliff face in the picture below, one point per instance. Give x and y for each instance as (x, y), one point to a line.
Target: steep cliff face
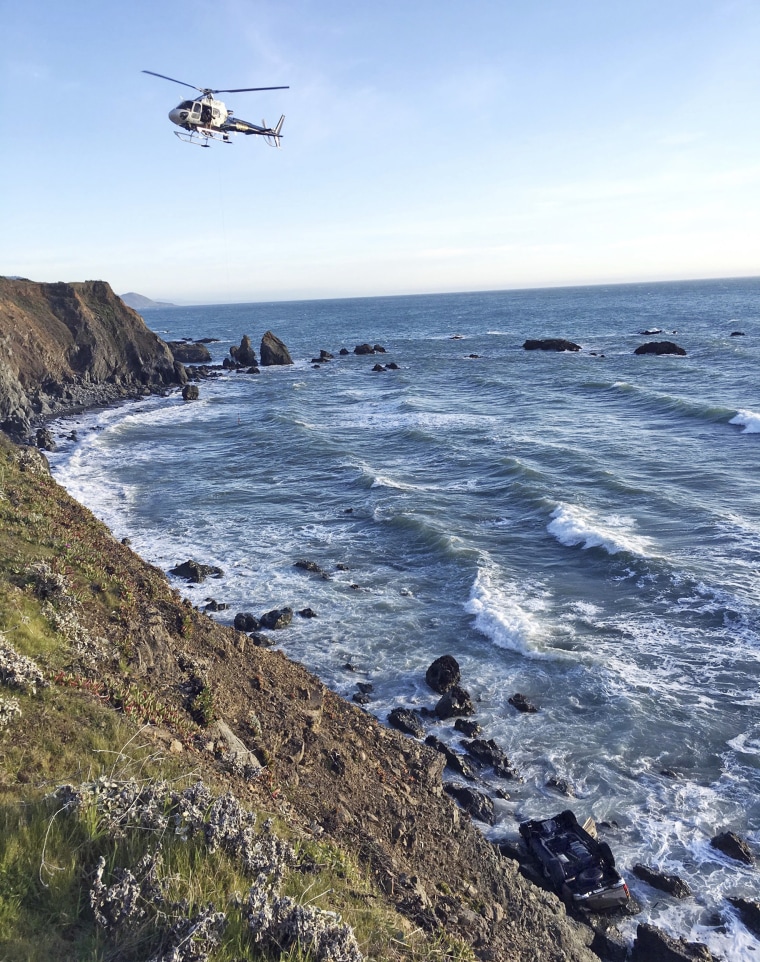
(69, 345)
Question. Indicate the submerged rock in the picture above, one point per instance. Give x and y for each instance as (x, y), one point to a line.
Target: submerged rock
(660, 347)
(551, 344)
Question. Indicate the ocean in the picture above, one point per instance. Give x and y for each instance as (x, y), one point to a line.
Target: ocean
(582, 528)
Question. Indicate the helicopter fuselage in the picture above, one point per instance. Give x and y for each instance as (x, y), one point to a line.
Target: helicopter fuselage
(204, 112)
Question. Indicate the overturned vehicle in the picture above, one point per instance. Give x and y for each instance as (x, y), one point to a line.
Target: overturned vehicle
(580, 868)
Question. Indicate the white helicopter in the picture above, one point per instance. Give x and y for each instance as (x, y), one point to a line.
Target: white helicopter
(204, 119)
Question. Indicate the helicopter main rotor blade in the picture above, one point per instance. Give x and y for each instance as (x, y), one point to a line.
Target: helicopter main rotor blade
(243, 90)
(164, 77)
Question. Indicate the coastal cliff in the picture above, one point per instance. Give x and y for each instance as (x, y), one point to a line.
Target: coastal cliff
(98, 651)
(64, 346)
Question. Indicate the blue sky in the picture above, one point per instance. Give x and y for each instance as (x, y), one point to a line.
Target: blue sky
(428, 145)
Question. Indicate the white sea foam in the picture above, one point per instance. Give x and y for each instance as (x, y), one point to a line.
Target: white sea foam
(500, 617)
(749, 420)
(572, 525)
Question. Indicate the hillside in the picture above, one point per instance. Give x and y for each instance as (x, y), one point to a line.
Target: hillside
(140, 302)
(68, 345)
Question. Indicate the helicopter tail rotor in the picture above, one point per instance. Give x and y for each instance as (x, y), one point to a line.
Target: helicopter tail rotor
(273, 139)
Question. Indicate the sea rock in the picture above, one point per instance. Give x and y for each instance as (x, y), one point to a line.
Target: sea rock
(273, 351)
(307, 613)
(475, 803)
(736, 848)
(650, 331)
(551, 344)
(44, 440)
(277, 618)
(195, 572)
(190, 392)
(378, 368)
(313, 567)
(408, 721)
(749, 911)
(560, 785)
(189, 352)
(244, 355)
(521, 703)
(487, 752)
(364, 349)
(660, 347)
(671, 884)
(737, 334)
(467, 727)
(654, 945)
(245, 621)
(261, 640)
(456, 762)
(456, 701)
(443, 674)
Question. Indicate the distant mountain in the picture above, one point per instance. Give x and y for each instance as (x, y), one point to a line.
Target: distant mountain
(140, 303)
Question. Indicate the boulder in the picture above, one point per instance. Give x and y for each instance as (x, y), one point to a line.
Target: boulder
(189, 352)
(456, 762)
(671, 884)
(736, 848)
(654, 945)
(244, 354)
(195, 572)
(190, 392)
(475, 803)
(407, 721)
(313, 567)
(456, 701)
(44, 439)
(521, 703)
(487, 752)
(660, 347)
(364, 349)
(469, 728)
(245, 621)
(443, 674)
(749, 912)
(551, 344)
(273, 351)
(277, 618)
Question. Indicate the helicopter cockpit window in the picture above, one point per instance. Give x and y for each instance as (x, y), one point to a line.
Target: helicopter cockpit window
(186, 105)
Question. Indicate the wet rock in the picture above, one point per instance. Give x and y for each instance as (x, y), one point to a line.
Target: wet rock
(560, 785)
(475, 803)
(456, 762)
(195, 572)
(456, 701)
(261, 640)
(244, 355)
(276, 619)
(378, 349)
(312, 567)
(521, 703)
(189, 352)
(408, 721)
(651, 331)
(671, 884)
(469, 728)
(660, 347)
(213, 605)
(443, 674)
(190, 392)
(364, 349)
(273, 351)
(307, 613)
(245, 621)
(44, 440)
(378, 368)
(487, 752)
(654, 945)
(749, 912)
(730, 844)
(551, 344)
(737, 334)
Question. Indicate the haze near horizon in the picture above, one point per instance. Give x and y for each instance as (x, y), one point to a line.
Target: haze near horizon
(426, 148)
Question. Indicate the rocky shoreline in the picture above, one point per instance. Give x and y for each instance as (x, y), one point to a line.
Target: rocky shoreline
(379, 791)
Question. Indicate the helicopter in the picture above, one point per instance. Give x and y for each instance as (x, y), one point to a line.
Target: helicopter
(204, 119)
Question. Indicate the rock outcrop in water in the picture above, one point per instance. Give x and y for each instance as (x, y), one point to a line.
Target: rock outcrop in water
(273, 351)
(73, 345)
(551, 344)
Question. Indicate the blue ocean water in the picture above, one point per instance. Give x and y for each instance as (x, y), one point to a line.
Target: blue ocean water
(583, 528)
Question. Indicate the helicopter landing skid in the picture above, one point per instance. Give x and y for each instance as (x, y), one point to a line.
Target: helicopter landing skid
(202, 135)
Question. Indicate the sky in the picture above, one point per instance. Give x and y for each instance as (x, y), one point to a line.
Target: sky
(428, 145)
